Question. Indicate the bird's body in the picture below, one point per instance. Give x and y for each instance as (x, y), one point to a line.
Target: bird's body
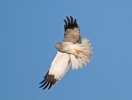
(71, 51)
(67, 47)
(71, 48)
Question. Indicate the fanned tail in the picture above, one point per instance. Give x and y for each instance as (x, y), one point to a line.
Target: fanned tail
(84, 56)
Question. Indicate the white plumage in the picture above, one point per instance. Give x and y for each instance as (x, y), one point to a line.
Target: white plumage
(84, 55)
(71, 51)
(60, 65)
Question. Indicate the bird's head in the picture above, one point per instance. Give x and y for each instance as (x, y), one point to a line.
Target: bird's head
(58, 45)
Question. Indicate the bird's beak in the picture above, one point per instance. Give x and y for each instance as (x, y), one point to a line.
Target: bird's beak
(57, 45)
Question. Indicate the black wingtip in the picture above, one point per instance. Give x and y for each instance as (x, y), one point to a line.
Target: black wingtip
(46, 85)
(48, 81)
(70, 23)
(41, 82)
(50, 86)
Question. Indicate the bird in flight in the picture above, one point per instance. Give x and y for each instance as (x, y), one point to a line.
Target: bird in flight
(72, 51)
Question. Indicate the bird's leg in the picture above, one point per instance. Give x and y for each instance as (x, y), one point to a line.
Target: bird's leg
(77, 51)
(75, 54)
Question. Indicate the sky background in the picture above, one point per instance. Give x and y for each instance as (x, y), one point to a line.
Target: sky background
(29, 30)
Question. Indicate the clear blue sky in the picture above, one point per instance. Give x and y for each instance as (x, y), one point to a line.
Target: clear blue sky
(29, 30)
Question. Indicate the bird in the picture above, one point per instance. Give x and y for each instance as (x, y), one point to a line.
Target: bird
(72, 51)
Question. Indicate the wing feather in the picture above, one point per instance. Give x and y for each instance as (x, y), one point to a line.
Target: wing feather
(72, 31)
(59, 67)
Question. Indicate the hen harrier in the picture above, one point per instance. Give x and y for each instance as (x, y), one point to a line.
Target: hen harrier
(71, 51)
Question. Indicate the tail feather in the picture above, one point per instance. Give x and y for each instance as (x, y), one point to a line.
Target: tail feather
(84, 55)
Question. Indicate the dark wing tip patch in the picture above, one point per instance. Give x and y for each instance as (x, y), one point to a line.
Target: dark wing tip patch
(48, 81)
(70, 23)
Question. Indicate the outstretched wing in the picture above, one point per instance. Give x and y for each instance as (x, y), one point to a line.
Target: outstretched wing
(59, 67)
(72, 31)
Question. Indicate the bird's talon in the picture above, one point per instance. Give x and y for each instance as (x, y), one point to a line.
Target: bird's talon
(75, 55)
(77, 50)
